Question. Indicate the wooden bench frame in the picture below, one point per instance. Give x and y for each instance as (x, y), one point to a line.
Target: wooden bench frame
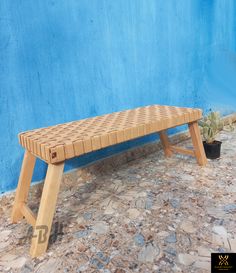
(43, 222)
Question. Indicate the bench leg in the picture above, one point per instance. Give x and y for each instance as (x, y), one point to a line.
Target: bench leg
(165, 142)
(23, 186)
(46, 209)
(197, 143)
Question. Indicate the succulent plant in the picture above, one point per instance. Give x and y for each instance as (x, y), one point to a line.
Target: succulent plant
(211, 125)
(230, 126)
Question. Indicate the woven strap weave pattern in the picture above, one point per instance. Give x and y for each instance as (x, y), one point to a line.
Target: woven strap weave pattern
(60, 142)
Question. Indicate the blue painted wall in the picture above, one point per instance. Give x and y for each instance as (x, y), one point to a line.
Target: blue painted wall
(64, 60)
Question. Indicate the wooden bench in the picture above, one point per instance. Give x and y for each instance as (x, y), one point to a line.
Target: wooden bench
(56, 144)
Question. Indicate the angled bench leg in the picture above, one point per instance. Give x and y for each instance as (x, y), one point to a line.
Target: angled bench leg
(166, 144)
(46, 209)
(197, 143)
(23, 186)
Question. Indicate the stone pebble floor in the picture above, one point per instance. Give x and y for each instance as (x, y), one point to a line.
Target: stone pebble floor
(152, 214)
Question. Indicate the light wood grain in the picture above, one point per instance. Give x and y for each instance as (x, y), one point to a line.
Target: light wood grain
(23, 186)
(46, 208)
(197, 143)
(166, 144)
(182, 150)
(28, 214)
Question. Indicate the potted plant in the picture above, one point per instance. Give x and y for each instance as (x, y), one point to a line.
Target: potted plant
(211, 125)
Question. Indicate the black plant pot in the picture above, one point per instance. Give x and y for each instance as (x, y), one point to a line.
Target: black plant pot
(212, 150)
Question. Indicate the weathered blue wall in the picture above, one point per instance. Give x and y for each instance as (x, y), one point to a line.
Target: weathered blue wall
(67, 59)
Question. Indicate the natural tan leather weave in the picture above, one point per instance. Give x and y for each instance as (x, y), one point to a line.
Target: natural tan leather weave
(60, 142)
